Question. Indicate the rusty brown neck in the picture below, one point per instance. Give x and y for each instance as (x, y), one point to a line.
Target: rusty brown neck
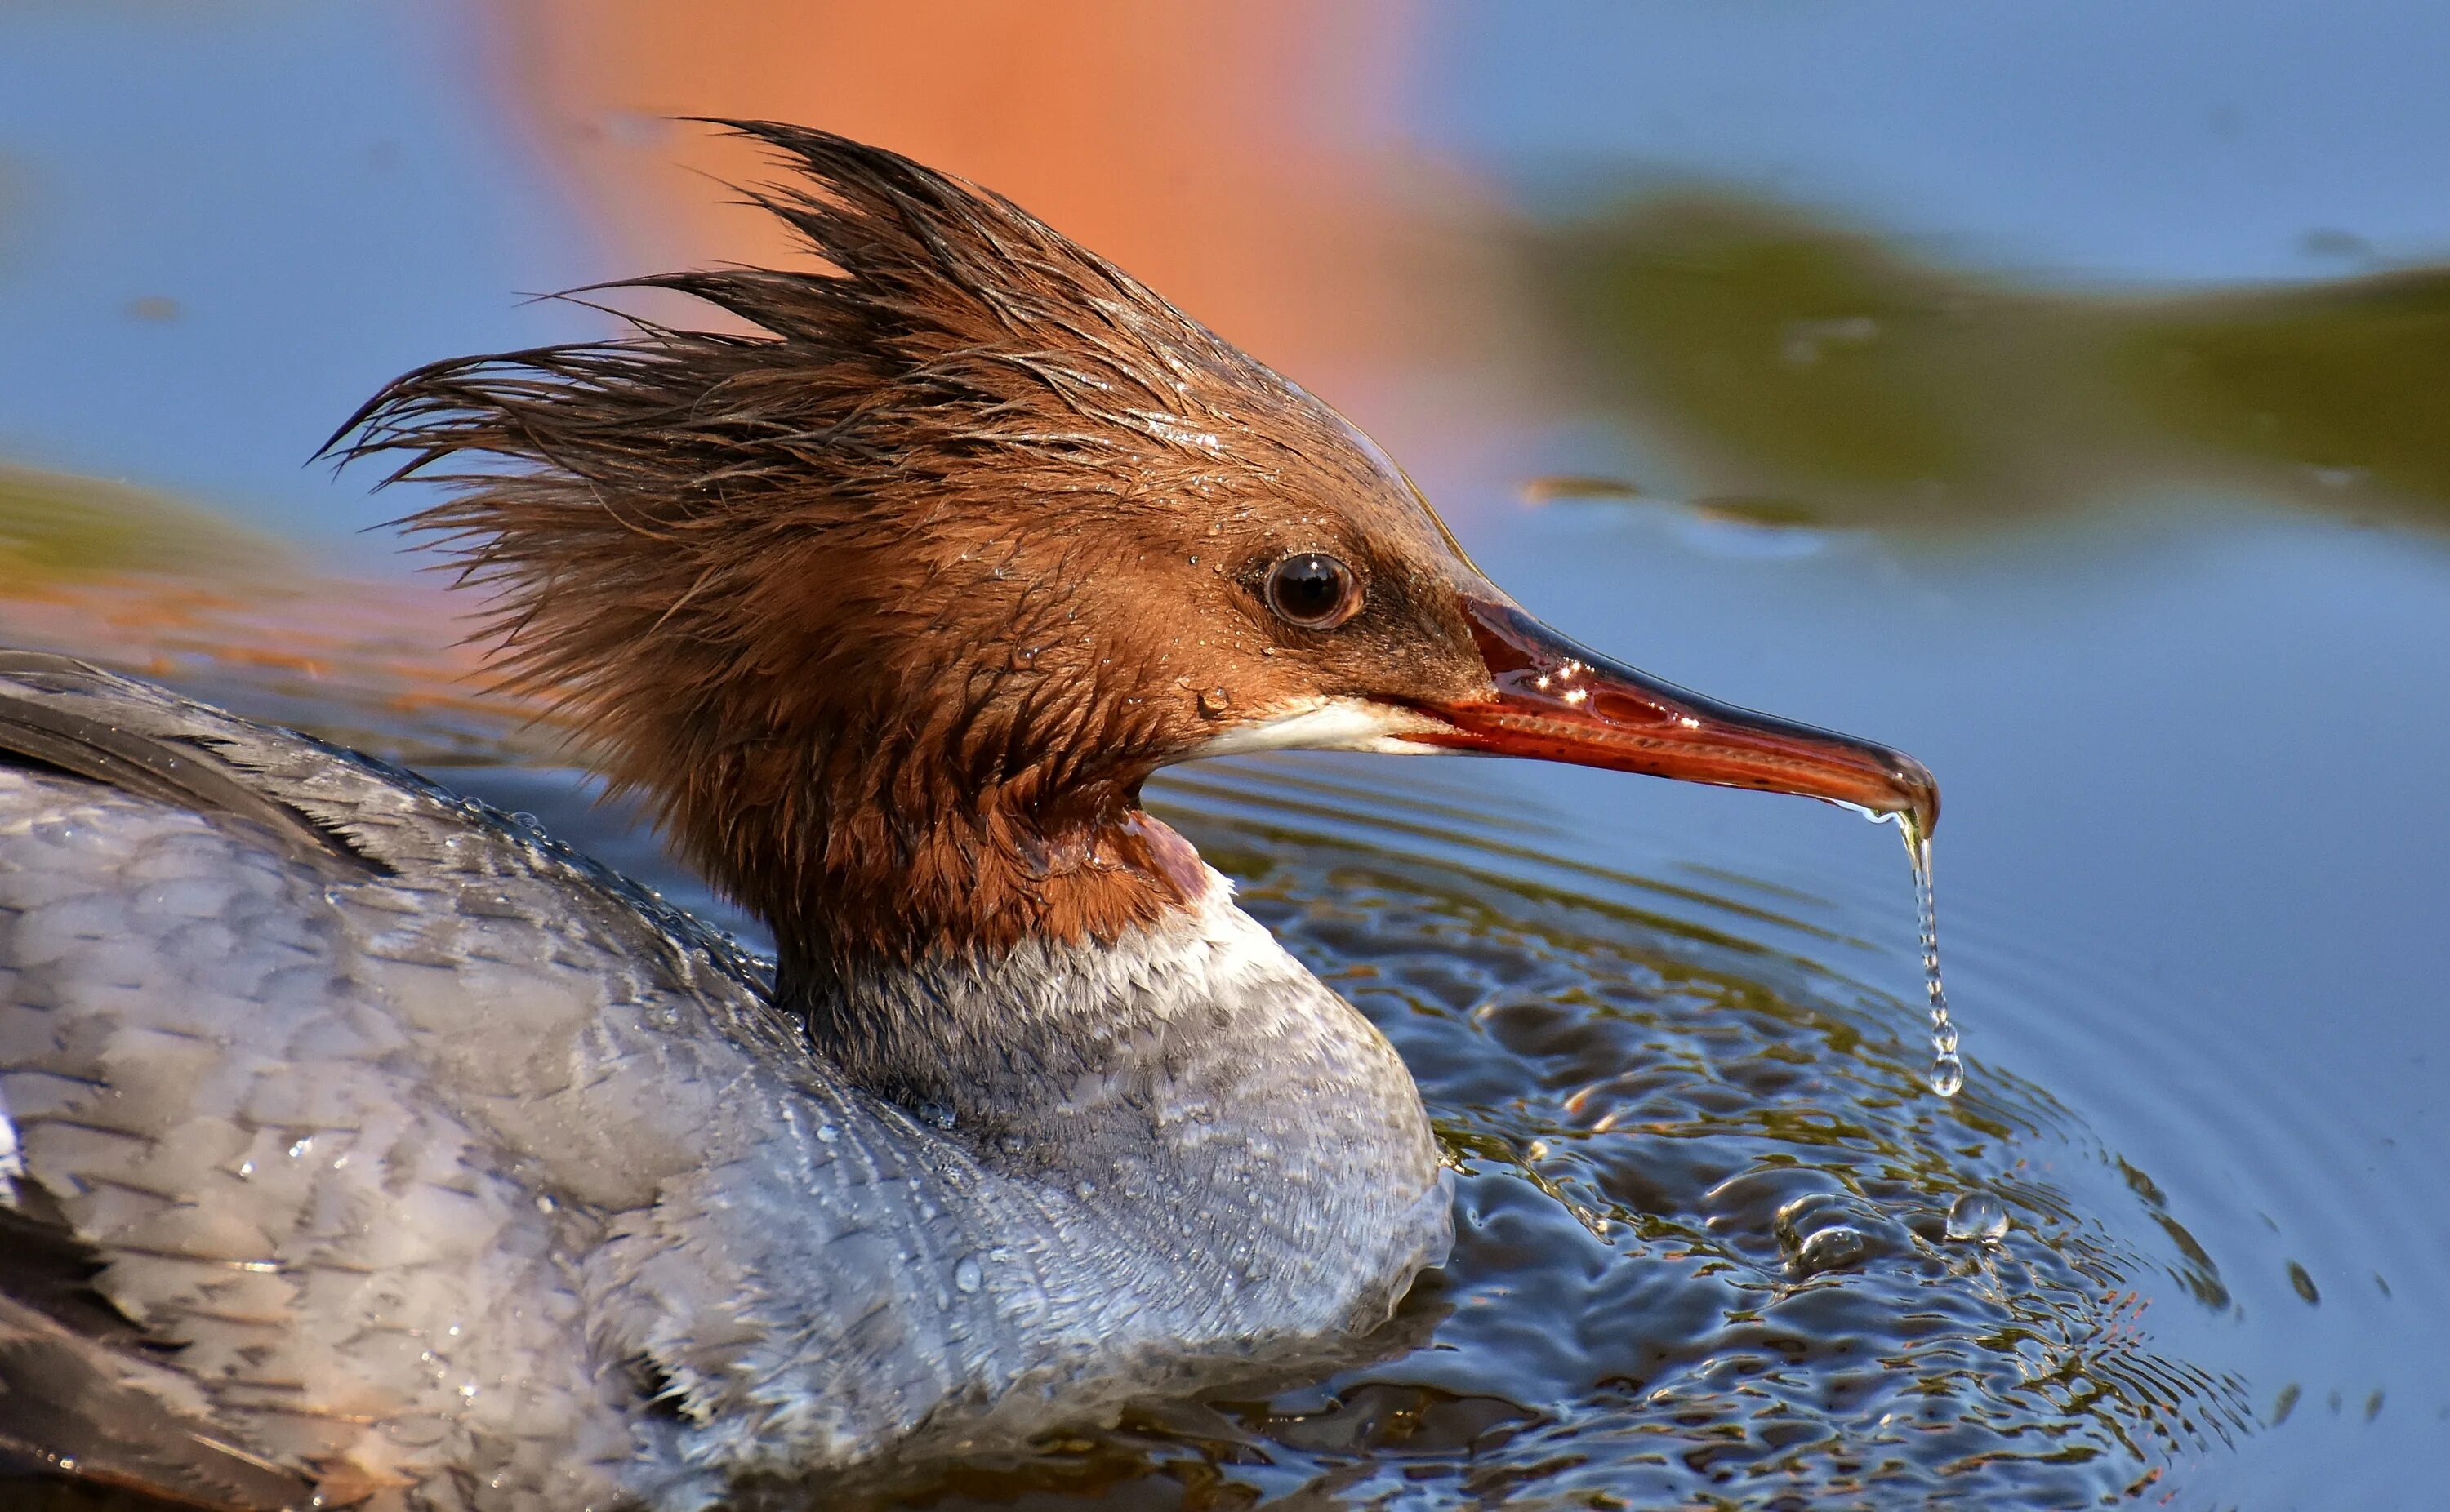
(871, 869)
(983, 1015)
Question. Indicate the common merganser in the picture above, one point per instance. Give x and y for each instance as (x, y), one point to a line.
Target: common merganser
(361, 1145)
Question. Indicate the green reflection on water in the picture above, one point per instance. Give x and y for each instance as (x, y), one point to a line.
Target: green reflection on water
(1798, 360)
(2347, 378)
(55, 526)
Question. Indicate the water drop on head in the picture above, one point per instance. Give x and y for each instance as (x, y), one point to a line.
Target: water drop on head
(1947, 1067)
(1977, 1215)
(966, 1275)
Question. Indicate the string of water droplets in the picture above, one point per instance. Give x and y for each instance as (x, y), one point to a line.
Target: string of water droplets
(1947, 1068)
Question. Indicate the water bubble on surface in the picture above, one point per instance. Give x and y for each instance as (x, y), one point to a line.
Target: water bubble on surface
(1821, 1231)
(1834, 1248)
(1977, 1215)
(1947, 1067)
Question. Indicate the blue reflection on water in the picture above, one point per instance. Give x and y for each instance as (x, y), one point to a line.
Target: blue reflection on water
(326, 194)
(2187, 141)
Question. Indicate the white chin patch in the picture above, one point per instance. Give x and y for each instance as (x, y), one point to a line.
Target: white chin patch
(1330, 723)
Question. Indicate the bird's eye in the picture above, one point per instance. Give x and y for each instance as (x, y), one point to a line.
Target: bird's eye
(1313, 591)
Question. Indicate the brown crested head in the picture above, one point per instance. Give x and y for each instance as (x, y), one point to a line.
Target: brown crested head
(890, 607)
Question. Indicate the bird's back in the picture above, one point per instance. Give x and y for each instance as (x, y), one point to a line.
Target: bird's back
(359, 1140)
(305, 1068)
(343, 1114)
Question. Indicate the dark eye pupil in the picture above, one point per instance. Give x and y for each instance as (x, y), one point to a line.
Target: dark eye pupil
(1311, 588)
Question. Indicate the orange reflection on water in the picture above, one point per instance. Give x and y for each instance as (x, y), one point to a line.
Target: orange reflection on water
(371, 663)
(1220, 153)
(1246, 161)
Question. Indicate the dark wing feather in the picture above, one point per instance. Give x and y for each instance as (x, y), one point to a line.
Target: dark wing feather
(40, 722)
(68, 1402)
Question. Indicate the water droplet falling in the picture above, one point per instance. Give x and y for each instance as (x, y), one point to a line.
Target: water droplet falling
(1947, 1069)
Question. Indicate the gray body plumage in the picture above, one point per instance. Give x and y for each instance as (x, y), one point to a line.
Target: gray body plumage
(397, 1150)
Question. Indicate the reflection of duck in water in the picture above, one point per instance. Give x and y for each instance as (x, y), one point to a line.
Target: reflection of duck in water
(360, 1144)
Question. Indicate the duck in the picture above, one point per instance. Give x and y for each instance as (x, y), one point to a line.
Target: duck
(364, 1146)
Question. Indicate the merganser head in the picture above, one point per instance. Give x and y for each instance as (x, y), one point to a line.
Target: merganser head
(891, 607)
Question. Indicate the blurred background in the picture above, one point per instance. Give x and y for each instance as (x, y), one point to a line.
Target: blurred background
(2060, 392)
